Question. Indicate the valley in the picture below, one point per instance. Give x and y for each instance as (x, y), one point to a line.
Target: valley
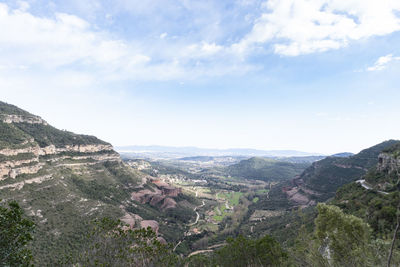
(196, 205)
(223, 201)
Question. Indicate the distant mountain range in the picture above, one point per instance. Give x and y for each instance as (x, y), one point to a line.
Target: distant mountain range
(167, 152)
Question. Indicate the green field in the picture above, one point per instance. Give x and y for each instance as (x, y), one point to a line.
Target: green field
(262, 191)
(233, 197)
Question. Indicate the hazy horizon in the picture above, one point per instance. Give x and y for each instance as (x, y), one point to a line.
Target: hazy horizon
(318, 76)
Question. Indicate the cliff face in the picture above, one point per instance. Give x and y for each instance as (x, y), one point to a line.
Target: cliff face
(11, 118)
(388, 162)
(28, 143)
(63, 181)
(386, 176)
(35, 157)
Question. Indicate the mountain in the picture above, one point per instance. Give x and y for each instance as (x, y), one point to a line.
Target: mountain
(320, 181)
(343, 155)
(266, 169)
(165, 152)
(375, 197)
(64, 181)
(303, 159)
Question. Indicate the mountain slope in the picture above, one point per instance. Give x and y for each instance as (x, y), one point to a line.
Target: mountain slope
(321, 180)
(65, 180)
(376, 197)
(266, 169)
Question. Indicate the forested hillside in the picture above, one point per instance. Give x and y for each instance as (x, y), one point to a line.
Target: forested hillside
(266, 169)
(64, 181)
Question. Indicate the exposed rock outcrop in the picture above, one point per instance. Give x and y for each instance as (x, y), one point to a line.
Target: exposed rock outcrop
(162, 196)
(150, 223)
(169, 203)
(13, 168)
(11, 118)
(388, 163)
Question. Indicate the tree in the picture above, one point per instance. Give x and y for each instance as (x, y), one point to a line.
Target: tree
(15, 234)
(115, 244)
(396, 230)
(343, 239)
(241, 251)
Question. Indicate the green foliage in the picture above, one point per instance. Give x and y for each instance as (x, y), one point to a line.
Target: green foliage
(11, 136)
(343, 238)
(241, 251)
(395, 149)
(377, 209)
(93, 189)
(115, 244)
(46, 135)
(12, 110)
(266, 169)
(327, 175)
(15, 234)
(339, 239)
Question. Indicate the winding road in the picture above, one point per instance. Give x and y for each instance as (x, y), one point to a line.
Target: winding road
(364, 184)
(197, 214)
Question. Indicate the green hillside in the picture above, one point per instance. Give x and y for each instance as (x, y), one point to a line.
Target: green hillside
(327, 175)
(376, 199)
(64, 181)
(266, 169)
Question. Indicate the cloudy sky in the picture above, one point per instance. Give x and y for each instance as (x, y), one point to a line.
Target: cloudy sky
(312, 75)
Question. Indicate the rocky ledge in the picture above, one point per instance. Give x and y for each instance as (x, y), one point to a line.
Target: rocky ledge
(8, 118)
(11, 168)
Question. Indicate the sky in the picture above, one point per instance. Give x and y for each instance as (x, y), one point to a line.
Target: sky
(312, 75)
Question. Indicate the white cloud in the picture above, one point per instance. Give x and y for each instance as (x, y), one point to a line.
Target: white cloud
(296, 27)
(382, 62)
(67, 41)
(163, 35)
(63, 40)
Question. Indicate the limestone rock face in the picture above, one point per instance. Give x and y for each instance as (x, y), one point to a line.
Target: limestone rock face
(13, 168)
(387, 162)
(11, 118)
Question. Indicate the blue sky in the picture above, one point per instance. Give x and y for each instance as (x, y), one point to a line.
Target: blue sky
(312, 75)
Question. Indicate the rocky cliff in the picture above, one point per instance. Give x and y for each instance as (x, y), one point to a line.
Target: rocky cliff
(64, 181)
(28, 143)
(388, 162)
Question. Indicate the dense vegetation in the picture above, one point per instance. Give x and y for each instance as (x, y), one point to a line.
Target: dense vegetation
(10, 136)
(327, 175)
(46, 135)
(15, 234)
(241, 251)
(6, 108)
(114, 244)
(377, 209)
(266, 169)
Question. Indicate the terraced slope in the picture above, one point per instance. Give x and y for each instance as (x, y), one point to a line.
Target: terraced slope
(65, 180)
